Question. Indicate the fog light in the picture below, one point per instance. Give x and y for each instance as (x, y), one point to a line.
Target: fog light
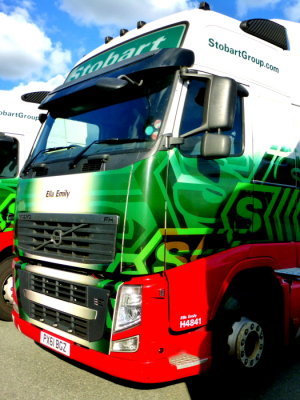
(129, 345)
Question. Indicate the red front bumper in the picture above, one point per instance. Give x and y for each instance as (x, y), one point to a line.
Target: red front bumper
(156, 371)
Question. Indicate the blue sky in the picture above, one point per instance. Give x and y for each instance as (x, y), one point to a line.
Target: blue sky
(40, 40)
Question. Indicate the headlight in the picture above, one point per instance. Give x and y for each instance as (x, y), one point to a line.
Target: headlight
(129, 307)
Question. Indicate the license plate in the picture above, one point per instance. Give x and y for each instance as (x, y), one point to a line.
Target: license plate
(54, 343)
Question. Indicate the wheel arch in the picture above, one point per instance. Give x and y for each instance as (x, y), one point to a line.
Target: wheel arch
(259, 284)
(6, 252)
(259, 272)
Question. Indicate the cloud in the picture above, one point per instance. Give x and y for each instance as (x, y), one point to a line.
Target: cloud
(121, 13)
(243, 6)
(25, 50)
(36, 86)
(292, 12)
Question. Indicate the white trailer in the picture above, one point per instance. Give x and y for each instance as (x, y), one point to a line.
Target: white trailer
(19, 124)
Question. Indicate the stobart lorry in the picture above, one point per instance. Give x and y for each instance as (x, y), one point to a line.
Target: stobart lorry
(19, 123)
(157, 223)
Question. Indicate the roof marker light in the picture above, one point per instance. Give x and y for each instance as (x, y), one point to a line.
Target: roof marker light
(108, 39)
(140, 24)
(123, 32)
(204, 6)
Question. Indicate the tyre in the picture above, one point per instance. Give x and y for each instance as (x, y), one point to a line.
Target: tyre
(248, 327)
(5, 289)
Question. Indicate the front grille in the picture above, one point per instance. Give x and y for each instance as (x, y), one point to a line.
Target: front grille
(65, 322)
(75, 308)
(62, 290)
(80, 238)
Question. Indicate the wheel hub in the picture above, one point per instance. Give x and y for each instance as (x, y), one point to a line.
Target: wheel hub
(7, 290)
(246, 342)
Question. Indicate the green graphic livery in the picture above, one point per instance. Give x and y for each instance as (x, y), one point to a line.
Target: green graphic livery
(178, 215)
(7, 203)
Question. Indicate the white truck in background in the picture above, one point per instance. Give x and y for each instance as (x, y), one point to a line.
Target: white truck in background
(19, 124)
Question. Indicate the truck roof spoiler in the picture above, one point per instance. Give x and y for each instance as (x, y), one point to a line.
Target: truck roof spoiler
(267, 30)
(35, 97)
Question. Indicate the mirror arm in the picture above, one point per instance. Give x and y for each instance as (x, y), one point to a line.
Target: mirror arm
(168, 141)
(195, 131)
(126, 78)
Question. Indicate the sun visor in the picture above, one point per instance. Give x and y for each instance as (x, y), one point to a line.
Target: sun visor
(164, 58)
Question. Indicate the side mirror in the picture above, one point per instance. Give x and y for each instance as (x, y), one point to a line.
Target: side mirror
(6, 138)
(219, 110)
(215, 145)
(110, 84)
(219, 105)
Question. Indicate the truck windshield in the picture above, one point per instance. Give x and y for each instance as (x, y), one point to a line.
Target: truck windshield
(127, 121)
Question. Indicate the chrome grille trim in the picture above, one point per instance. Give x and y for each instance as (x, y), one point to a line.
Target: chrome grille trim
(60, 305)
(59, 274)
(60, 262)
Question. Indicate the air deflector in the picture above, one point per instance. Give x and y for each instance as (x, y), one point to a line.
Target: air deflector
(267, 30)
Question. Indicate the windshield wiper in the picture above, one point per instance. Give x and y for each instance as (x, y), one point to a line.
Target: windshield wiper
(30, 165)
(60, 148)
(73, 164)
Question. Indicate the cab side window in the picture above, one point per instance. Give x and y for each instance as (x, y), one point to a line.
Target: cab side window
(9, 159)
(192, 118)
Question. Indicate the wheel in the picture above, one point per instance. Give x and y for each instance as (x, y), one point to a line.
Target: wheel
(248, 326)
(6, 289)
(246, 342)
(240, 338)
